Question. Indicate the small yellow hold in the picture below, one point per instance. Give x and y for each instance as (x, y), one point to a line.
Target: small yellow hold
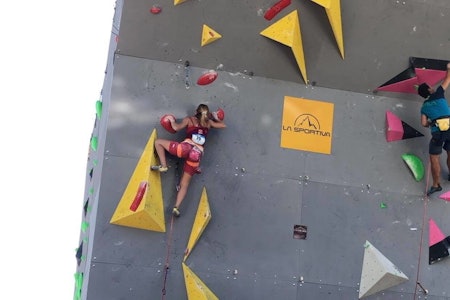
(176, 2)
(209, 35)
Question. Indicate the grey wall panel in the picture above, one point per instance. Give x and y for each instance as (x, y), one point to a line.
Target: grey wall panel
(339, 224)
(251, 287)
(311, 291)
(120, 282)
(374, 53)
(437, 210)
(251, 179)
(360, 153)
(226, 285)
(308, 291)
(263, 246)
(249, 146)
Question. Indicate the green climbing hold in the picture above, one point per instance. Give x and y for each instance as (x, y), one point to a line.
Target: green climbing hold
(415, 165)
(84, 226)
(78, 285)
(383, 205)
(98, 108)
(94, 142)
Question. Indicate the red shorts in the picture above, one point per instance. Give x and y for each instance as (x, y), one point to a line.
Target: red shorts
(183, 150)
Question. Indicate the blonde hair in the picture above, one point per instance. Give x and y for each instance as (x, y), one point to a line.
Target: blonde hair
(202, 113)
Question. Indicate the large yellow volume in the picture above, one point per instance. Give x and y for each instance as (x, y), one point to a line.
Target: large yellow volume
(195, 288)
(141, 205)
(333, 9)
(287, 32)
(201, 220)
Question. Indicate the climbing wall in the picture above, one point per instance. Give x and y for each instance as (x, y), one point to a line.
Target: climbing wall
(251, 179)
(288, 220)
(94, 168)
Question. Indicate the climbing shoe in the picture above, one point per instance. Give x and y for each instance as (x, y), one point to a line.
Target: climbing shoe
(434, 189)
(175, 212)
(159, 168)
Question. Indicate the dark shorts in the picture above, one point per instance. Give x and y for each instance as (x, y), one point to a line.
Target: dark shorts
(439, 140)
(183, 150)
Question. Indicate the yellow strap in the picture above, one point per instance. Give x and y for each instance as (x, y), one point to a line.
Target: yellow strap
(443, 124)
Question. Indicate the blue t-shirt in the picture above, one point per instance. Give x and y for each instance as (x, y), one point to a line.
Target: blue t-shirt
(435, 107)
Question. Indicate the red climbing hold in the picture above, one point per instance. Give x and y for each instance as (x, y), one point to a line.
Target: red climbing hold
(165, 122)
(220, 113)
(155, 9)
(139, 195)
(274, 10)
(207, 78)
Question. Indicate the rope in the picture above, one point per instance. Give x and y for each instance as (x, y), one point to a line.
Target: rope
(169, 239)
(424, 217)
(166, 266)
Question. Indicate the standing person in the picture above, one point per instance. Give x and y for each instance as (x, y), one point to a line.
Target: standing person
(191, 148)
(435, 114)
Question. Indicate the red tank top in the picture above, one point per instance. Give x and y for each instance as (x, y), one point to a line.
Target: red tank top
(192, 129)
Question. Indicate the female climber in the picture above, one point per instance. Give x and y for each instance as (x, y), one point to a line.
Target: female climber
(190, 149)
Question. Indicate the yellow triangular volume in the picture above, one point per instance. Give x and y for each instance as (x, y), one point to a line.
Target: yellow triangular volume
(287, 32)
(283, 30)
(195, 288)
(176, 2)
(324, 3)
(209, 35)
(141, 205)
(201, 221)
(333, 9)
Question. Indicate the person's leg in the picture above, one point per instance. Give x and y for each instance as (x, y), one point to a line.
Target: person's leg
(435, 150)
(184, 184)
(448, 164)
(161, 147)
(435, 169)
(447, 148)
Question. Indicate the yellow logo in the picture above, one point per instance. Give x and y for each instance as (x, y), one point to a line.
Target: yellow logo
(307, 125)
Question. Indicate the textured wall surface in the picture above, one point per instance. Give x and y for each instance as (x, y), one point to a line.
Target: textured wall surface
(257, 190)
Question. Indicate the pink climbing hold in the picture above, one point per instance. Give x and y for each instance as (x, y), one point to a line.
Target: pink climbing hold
(445, 196)
(435, 234)
(394, 127)
(431, 77)
(405, 86)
